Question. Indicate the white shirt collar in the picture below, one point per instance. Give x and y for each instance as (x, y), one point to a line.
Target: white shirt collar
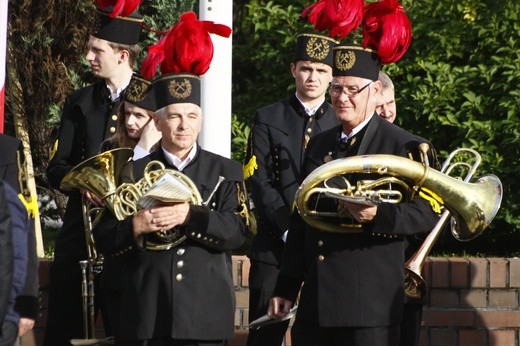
(309, 111)
(115, 94)
(174, 160)
(355, 130)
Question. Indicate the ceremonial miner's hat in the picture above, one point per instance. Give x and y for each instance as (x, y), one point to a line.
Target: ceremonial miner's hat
(315, 48)
(140, 93)
(184, 54)
(356, 62)
(117, 21)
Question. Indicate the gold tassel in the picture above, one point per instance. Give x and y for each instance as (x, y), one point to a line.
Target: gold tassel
(30, 204)
(250, 167)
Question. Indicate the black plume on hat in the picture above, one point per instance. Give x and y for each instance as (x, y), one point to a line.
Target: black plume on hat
(118, 21)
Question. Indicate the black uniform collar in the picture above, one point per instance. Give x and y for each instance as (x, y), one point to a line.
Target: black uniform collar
(300, 109)
(370, 131)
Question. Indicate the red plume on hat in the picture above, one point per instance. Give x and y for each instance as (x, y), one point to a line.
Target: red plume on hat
(187, 48)
(386, 29)
(338, 16)
(120, 7)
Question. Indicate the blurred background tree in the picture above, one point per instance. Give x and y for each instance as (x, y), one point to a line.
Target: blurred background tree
(457, 85)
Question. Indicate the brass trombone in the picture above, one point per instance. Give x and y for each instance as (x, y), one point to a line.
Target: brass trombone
(415, 285)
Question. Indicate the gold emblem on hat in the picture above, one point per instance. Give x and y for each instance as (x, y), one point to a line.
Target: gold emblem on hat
(317, 48)
(345, 61)
(136, 91)
(180, 89)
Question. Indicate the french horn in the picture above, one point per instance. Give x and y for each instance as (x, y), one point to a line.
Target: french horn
(179, 188)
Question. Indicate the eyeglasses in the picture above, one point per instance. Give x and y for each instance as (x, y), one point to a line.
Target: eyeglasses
(350, 90)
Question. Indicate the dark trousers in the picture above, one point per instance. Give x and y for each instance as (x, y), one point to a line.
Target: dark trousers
(411, 324)
(305, 335)
(262, 279)
(112, 304)
(174, 342)
(65, 319)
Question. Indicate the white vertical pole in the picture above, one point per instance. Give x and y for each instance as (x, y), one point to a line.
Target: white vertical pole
(216, 83)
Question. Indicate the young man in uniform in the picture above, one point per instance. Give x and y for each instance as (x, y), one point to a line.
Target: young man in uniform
(89, 117)
(275, 153)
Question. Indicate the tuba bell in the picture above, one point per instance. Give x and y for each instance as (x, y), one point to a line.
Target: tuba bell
(472, 205)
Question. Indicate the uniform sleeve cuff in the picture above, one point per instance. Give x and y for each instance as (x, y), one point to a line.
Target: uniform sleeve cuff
(27, 306)
(286, 287)
(199, 218)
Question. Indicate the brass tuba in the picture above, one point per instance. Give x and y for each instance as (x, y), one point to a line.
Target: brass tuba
(472, 205)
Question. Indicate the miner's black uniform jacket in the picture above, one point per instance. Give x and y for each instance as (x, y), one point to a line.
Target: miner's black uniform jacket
(354, 280)
(185, 292)
(89, 117)
(276, 141)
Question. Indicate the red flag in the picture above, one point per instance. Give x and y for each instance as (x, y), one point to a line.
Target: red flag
(3, 60)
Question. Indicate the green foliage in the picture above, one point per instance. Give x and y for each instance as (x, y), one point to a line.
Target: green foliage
(240, 133)
(263, 47)
(457, 85)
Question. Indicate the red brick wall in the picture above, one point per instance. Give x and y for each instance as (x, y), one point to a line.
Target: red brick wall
(472, 302)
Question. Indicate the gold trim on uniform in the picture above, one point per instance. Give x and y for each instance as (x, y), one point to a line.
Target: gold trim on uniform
(130, 19)
(345, 61)
(180, 90)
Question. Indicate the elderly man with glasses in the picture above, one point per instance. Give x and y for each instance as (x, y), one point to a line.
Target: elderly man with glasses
(353, 290)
